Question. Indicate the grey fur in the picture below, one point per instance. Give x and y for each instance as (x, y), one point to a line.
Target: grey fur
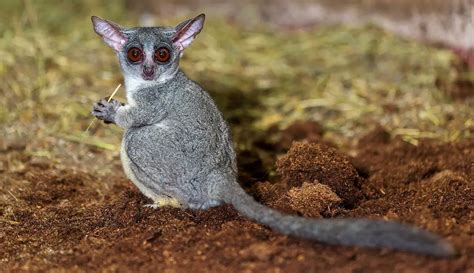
(177, 146)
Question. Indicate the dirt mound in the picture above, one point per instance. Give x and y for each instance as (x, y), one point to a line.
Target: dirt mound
(308, 162)
(448, 194)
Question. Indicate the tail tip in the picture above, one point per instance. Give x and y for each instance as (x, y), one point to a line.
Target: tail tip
(446, 250)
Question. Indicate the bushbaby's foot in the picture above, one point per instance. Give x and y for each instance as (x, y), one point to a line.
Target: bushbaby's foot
(164, 202)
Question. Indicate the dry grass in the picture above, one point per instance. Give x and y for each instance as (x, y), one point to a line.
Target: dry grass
(53, 67)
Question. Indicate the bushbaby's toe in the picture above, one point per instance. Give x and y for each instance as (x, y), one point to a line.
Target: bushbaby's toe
(152, 206)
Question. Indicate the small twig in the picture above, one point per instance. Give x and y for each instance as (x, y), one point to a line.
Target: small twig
(110, 98)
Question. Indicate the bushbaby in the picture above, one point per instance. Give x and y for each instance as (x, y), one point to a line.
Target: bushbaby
(177, 148)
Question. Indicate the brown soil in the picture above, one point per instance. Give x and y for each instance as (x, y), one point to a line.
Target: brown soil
(320, 163)
(61, 218)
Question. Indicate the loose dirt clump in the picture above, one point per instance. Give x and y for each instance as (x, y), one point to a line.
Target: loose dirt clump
(313, 199)
(310, 199)
(318, 162)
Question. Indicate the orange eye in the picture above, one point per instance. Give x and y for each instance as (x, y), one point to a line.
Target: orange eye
(162, 55)
(134, 55)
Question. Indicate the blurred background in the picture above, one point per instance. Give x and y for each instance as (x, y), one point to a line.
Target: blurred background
(349, 66)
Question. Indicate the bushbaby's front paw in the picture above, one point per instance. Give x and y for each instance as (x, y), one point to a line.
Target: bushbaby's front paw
(105, 110)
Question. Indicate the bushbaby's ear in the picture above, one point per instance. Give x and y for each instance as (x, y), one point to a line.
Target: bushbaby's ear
(110, 32)
(187, 30)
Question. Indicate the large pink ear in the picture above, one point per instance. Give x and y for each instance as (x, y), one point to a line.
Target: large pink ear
(187, 30)
(110, 32)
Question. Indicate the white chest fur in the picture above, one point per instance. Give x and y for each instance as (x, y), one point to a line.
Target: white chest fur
(133, 84)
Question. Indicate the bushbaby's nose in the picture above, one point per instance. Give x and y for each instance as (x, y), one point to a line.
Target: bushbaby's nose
(148, 71)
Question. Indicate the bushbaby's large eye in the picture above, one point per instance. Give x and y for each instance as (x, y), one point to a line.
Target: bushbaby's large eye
(134, 54)
(162, 55)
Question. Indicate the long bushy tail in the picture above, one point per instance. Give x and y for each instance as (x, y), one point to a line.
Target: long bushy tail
(342, 231)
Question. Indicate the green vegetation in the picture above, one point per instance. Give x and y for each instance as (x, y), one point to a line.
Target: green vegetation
(53, 67)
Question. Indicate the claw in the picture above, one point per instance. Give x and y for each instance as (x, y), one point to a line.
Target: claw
(151, 206)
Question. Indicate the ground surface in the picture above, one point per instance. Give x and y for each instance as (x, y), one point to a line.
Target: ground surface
(74, 220)
(65, 204)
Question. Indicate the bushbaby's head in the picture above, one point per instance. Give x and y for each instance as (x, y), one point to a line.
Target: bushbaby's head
(148, 54)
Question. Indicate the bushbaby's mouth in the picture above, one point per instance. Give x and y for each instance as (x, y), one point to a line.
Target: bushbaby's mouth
(148, 77)
(148, 73)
